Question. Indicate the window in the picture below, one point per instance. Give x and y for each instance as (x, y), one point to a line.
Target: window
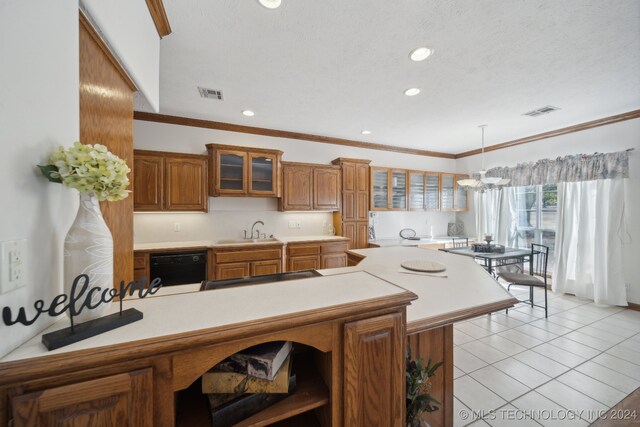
(537, 214)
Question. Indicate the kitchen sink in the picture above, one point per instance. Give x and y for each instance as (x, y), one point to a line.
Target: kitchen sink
(246, 241)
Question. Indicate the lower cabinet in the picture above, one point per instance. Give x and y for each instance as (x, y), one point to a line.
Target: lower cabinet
(237, 262)
(117, 400)
(374, 372)
(316, 255)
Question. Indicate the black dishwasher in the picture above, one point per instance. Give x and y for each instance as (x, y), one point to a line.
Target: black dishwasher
(179, 268)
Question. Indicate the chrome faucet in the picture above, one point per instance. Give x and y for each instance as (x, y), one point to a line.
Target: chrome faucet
(253, 226)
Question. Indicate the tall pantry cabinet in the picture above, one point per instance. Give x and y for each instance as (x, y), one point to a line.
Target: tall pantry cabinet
(352, 220)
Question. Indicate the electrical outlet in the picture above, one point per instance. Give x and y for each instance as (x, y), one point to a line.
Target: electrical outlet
(12, 265)
(292, 223)
(298, 224)
(177, 227)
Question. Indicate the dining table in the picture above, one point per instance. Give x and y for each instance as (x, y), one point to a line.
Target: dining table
(492, 260)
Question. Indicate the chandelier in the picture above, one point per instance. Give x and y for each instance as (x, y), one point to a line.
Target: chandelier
(484, 182)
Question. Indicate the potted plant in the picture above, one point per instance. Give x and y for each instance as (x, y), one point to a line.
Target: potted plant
(418, 388)
(98, 175)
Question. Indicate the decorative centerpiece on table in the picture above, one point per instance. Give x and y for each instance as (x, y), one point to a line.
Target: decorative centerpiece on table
(98, 175)
(419, 399)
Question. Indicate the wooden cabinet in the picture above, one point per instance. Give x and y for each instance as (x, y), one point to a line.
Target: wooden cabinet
(416, 190)
(117, 400)
(164, 181)
(244, 171)
(242, 261)
(308, 187)
(447, 192)
(432, 191)
(380, 189)
(354, 212)
(374, 372)
(141, 266)
(316, 255)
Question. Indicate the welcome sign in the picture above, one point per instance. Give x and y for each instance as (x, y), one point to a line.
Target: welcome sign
(79, 299)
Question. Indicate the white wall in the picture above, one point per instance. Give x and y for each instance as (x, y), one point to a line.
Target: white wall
(131, 34)
(38, 113)
(228, 216)
(603, 139)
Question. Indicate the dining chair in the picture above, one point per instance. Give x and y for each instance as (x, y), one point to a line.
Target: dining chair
(460, 242)
(537, 277)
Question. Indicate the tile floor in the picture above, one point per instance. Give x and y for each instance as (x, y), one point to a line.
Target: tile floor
(584, 358)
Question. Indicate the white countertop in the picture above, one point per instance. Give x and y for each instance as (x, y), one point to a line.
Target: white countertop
(204, 244)
(194, 311)
(467, 286)
(405, 242)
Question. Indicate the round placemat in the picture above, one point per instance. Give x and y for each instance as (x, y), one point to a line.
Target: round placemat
(423, 265)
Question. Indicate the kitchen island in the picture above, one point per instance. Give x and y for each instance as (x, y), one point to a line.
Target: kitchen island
(354, 320)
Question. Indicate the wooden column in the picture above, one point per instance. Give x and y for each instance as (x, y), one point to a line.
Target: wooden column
(106, 117)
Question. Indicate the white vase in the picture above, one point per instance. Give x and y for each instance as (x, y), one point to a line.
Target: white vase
(88, 249)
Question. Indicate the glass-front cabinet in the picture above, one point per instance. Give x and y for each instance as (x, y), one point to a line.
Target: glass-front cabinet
(416, 190)
(432, 191)
(244, 171)
(399, 189)
(232, 172)
(262, 174)
(447, 192)
(379, 188)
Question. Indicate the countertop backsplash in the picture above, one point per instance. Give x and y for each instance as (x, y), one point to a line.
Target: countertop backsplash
(226, 219)
(388, 224)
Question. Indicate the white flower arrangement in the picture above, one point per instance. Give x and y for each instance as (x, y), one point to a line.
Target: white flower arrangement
(89, 169)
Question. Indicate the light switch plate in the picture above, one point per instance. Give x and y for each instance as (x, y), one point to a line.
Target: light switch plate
(12, 265)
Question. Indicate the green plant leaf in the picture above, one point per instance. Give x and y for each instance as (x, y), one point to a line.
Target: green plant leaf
(51, 173)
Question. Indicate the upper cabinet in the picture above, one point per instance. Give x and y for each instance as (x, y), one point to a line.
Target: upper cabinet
(397, 189)
(165, 181)
(308, 187)
(244, 171)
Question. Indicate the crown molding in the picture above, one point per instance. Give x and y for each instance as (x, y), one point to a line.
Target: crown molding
(159, 16)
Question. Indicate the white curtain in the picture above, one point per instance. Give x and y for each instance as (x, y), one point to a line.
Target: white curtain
(497, 214)
(588, 246)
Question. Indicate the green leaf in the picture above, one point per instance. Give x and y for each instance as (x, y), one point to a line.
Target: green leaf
(48, 171)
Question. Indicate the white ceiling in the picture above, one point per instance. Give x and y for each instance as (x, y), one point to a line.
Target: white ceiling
(336, 67)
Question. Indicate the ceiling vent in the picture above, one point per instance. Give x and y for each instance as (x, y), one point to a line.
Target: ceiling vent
(210, 93)
(541, 111)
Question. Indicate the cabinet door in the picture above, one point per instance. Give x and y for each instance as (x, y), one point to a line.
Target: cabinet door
(118, 400)
(348, 206)
(447, 192)
(148, 182)
(348, 177)
(231, 172)
(462, 197)
(306, 262)
(379, 189)
(416, 190)
(399, 190)
(232, 270)
(432, 191)
(374, 372)
(362, 235)
(260, 268)
(334, 260)
(326, 189)
(298, 188)
(362, 177)
(362, 206)
(185, 184)
(349, 231)
(262, 174)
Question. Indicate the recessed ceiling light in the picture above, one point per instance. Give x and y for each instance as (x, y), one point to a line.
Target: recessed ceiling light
(420, 53)
(412, 91)
(248, 113)
(270, 4)
(366, 132)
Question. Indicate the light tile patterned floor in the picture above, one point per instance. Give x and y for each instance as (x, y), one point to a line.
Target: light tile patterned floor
(583, 358)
